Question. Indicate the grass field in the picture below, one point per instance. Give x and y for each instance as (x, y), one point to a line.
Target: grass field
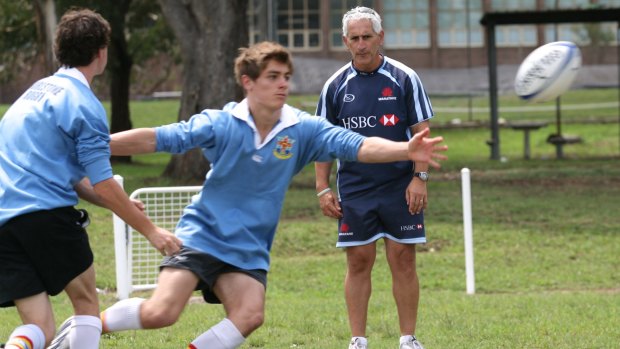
(546, 237)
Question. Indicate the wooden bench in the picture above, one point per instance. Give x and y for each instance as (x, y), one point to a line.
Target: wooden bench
(560, 141)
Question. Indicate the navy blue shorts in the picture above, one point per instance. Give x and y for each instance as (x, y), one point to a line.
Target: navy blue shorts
(207, 268)
(42, 251)
(379, 214)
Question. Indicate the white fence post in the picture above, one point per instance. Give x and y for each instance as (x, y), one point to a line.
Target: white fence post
(468, 232)
(120, 247)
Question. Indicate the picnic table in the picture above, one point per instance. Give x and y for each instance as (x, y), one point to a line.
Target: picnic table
(526, 127)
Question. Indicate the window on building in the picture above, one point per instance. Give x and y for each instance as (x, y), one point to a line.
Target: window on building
(458, 23)
(515, 35)
(406, 23)
(609, 3)
(337, 9)
(298, 24)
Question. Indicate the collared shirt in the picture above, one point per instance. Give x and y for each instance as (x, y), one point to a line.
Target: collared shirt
(383, 103)
(52, 137)
(235, 216)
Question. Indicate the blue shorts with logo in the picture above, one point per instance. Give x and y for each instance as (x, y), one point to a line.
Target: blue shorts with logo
(377, 214)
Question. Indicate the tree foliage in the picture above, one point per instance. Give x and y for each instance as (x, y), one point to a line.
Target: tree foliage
(18, 37)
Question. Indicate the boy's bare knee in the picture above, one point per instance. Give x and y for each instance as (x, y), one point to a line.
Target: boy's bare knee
(256, 320)
(156, 317)
(248, 322)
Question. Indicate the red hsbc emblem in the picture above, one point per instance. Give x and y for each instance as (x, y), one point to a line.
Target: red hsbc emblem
(389, 120)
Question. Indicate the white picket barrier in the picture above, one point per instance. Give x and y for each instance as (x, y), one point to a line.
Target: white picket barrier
(137, 261)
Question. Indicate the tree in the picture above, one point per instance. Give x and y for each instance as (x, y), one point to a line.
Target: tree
(18, 41)
(119, 66)
(129, 18)
(46, 25)
(209, 34)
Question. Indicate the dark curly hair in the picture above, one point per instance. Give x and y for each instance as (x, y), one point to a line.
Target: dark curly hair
(80, 35)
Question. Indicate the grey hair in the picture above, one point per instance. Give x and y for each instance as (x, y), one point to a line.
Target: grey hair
(361, 12)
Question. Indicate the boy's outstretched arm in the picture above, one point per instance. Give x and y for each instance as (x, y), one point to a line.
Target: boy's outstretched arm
(419, 148)
(136, 141)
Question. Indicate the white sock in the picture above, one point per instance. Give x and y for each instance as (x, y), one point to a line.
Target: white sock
(85, 332)
(26, 336)
(404, 339)
(224, 335)
(361, 340)
(124, 315)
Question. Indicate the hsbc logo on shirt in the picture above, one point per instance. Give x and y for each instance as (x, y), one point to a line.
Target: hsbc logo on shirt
(355, 122)
(389, 120)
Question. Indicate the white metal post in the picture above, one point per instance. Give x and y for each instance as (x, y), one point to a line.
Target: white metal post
(120, 252)
(468, 232)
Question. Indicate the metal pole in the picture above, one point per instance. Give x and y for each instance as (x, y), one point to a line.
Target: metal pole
(123, 283)
(469, 100)
(270, 25)
(558, 112)
(495, 154)
(470, 280)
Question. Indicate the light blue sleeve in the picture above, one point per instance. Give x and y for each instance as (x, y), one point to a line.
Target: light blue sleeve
(197, 132)
(93, 145)
(329, 142)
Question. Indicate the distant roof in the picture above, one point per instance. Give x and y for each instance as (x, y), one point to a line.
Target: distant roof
(551, 16)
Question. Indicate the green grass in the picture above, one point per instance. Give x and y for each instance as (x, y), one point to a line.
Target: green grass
(546, 240)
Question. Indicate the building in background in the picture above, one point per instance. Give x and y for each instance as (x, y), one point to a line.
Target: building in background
(430, 33)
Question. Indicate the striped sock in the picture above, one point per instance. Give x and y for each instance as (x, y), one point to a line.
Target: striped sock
(26, 337)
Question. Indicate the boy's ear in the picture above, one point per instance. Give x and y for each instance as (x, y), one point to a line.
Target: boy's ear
(246, 82)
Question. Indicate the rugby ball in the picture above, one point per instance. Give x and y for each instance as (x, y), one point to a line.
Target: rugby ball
(548, 71)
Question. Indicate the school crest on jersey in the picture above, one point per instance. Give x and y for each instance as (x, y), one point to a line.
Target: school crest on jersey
(284, 144)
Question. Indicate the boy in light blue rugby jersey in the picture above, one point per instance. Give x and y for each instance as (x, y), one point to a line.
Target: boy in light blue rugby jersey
(54, 148)
(255, 147)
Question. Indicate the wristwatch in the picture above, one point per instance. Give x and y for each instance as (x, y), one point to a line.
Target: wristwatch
(422, 175)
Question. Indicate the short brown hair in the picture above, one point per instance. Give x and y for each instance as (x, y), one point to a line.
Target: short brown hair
(254, 59)
(80, 35)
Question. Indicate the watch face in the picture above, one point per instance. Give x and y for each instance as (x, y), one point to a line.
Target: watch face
(423, 175)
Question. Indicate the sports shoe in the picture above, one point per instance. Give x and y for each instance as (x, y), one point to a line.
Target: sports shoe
(356, 343)
(61, 341)
(411, 343)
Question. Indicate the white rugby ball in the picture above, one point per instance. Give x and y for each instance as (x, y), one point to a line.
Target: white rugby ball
(548, 71)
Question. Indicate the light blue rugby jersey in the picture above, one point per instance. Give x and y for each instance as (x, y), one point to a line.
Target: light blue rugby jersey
(383, 103)
(235, 216)
(53, 136)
